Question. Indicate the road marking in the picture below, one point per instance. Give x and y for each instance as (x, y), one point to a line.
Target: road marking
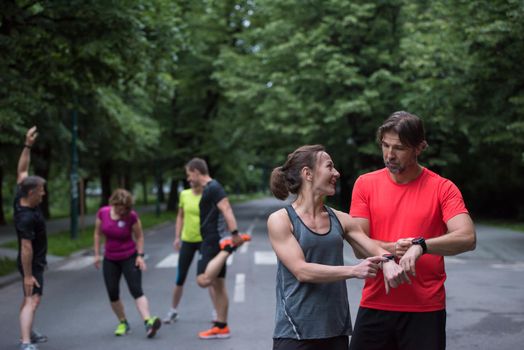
(169, 261)
(77, 264)
(265, 258)
(240, 288)
(451, 260)
(229, 260)
(243, 248)
(517, 266)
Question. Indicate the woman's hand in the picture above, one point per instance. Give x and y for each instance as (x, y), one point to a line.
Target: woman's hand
(177, 244)
(140, 263)
(368, 267)
(97, 261)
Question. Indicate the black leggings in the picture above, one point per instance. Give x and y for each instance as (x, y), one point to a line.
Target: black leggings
(187, 252)
(113, 271)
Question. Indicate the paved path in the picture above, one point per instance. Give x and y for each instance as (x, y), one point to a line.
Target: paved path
(485, 296)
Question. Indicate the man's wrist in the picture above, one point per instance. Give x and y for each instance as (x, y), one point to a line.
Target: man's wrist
(420, 241)
(234, 232)
(141, 255)
(27, 146)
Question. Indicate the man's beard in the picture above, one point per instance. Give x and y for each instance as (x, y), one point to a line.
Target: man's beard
(394, 168)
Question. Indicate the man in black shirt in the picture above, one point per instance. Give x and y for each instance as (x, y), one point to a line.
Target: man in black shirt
(32, 241)
(211, 268)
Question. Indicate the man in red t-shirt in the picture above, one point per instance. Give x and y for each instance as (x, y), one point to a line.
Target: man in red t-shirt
(419, 217)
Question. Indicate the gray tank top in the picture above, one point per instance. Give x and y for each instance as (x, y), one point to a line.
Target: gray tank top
(313, 310)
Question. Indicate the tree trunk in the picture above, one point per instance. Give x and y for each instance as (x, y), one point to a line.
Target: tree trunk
(2, 215)
(144, 189)
(172, 201)
(42, 165)
(105, 181)
(160, 185)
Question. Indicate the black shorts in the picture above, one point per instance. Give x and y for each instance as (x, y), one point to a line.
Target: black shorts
(392, 330)
(335, 343)
(208, 250)
(38, 274)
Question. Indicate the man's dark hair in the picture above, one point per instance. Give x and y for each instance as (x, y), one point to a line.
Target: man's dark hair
(198, 164)
(409, 128)
(30, 183)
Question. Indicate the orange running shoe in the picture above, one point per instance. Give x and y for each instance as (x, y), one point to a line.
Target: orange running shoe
(227, 241)
(215, 333)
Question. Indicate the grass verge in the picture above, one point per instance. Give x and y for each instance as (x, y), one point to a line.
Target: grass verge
(61, 244)
(515, 226)
(7, 266)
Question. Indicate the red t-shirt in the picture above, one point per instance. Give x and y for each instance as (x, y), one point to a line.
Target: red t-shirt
(419, 208)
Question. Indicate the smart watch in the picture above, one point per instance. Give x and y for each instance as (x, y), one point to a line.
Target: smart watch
(421, 242)
(388, 256)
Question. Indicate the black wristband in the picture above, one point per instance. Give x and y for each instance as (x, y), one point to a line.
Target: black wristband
(389, 257)
(422, 242)
(234, 232)
(27, 146)
(141, 255)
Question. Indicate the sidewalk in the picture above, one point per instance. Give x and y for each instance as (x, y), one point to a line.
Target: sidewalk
(7, 233)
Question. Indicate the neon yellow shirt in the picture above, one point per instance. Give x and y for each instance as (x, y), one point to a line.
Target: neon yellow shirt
(189, 202)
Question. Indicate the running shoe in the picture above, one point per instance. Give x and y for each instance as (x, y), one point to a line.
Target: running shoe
(25, 346)
(152, 326)
(122, 328)
(227, 241)
(37, 337)
(171, 317)
(215, 333)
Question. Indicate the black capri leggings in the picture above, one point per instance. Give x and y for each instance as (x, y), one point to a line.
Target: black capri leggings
(113, 270)
(187, 252)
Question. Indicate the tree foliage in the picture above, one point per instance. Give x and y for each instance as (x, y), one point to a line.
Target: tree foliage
(243, 83)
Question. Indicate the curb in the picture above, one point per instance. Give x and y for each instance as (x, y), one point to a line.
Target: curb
(58, 261)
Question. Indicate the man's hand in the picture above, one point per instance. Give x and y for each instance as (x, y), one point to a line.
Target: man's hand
(29, 283)
(394, 275)
(237, 240)
(410, 258)
(30, 136)
(402, 246)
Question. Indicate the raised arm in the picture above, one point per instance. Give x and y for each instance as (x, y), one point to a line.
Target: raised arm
(25, 157)
(290, 254)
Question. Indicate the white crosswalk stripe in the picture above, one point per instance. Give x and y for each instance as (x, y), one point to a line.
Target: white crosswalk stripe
(239, 295)
(169, 261)
(265, 258)
(78, 263)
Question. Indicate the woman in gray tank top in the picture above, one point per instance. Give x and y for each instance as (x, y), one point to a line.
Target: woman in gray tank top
(312, 309)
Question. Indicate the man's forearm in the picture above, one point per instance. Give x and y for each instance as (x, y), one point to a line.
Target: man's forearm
(27, 259)
(24, 161)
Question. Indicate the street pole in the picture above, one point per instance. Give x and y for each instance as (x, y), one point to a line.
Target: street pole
(74, 176)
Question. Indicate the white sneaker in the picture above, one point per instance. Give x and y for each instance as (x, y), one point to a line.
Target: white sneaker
(171, 317)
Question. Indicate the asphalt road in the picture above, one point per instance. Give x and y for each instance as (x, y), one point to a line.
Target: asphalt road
(485, 296)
